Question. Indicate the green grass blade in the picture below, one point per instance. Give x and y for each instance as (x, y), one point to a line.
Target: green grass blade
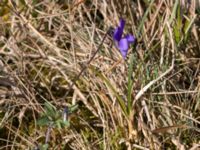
(130, 83)
(144, 18)
(173, 15)
(107, 82)
(188, 26)
(178, 25)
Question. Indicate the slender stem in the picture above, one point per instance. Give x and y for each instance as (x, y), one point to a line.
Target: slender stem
(87, 64)
(48, 133)
(66, 113)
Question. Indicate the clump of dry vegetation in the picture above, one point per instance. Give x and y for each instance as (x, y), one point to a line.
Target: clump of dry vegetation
(150, 100)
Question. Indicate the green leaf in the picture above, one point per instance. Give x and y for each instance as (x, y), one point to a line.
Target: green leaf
(58, 124)
(65, 123)
(61, 124)
(50, 110)
(73, 108)
(44, 147)
(43, 121)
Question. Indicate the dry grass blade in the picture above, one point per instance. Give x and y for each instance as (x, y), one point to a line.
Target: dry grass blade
(55, 52)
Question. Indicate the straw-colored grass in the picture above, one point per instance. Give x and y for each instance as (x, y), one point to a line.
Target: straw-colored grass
(150, 100)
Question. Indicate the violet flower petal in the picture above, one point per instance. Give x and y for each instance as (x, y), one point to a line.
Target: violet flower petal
(123, 47)
(118, 34)
(122, 23)
(122, 42)
(130, 38)
(119, 30)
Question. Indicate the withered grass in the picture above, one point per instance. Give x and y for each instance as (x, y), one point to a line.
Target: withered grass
(45, 44)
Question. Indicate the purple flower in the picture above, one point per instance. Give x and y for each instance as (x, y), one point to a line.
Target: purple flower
(122, 43)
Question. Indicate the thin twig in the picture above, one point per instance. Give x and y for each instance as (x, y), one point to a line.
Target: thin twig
(85, 66)
(47, 137)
